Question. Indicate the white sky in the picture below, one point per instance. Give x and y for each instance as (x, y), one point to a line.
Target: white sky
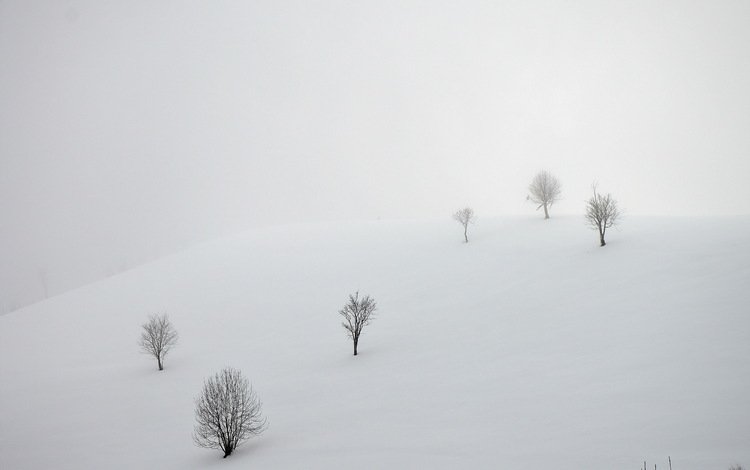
(155, 123)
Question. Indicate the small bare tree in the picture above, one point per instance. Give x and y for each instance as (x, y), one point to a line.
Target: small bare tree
(158, 337)
(602, 213)
(465, 217)
(544, 190)
(228, 412)
(357, 314)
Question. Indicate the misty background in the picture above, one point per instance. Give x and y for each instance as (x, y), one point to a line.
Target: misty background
(130, 130)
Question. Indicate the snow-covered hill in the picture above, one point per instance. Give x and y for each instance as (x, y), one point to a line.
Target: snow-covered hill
(528, 348)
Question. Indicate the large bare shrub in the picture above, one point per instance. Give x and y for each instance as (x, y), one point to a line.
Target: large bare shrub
(158, 337)
(544, 190)
(357, 314)
(228, 412)
(465, 217)
(602, 213)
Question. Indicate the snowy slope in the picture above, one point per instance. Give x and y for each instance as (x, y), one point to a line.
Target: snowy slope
(528, 348)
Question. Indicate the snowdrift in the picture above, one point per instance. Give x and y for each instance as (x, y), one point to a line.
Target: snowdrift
(530, 347)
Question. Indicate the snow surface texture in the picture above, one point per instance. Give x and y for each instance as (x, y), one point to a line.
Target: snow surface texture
(530, 347)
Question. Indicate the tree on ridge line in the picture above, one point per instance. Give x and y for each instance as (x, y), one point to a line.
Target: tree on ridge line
(602, 213)
(465, 217)
(544, 190)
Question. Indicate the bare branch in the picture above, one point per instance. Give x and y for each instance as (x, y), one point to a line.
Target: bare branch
(228, 412)
(602, 213)
(158, 337)
(544, 190)
(465, 217)
(357, 314)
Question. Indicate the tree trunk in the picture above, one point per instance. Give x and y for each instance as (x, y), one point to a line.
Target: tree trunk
(356, 340)
(227, 452)
(158, 359)
(601, 239)
(466, 237)
(546, 214)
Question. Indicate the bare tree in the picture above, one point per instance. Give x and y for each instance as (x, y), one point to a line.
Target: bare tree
(544, 190)
(602, 213)
(158, 337)
(357, 314)
(228, 412)
(736, 467)
(465, 217)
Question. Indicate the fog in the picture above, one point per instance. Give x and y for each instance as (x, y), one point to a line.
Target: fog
(130, 130)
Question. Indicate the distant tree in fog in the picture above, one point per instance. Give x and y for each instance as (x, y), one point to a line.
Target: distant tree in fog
(228, 412)
(544, 190)
(602, 213)
(736, 467)
(158, 337)
(357, 313)
(465, 217)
